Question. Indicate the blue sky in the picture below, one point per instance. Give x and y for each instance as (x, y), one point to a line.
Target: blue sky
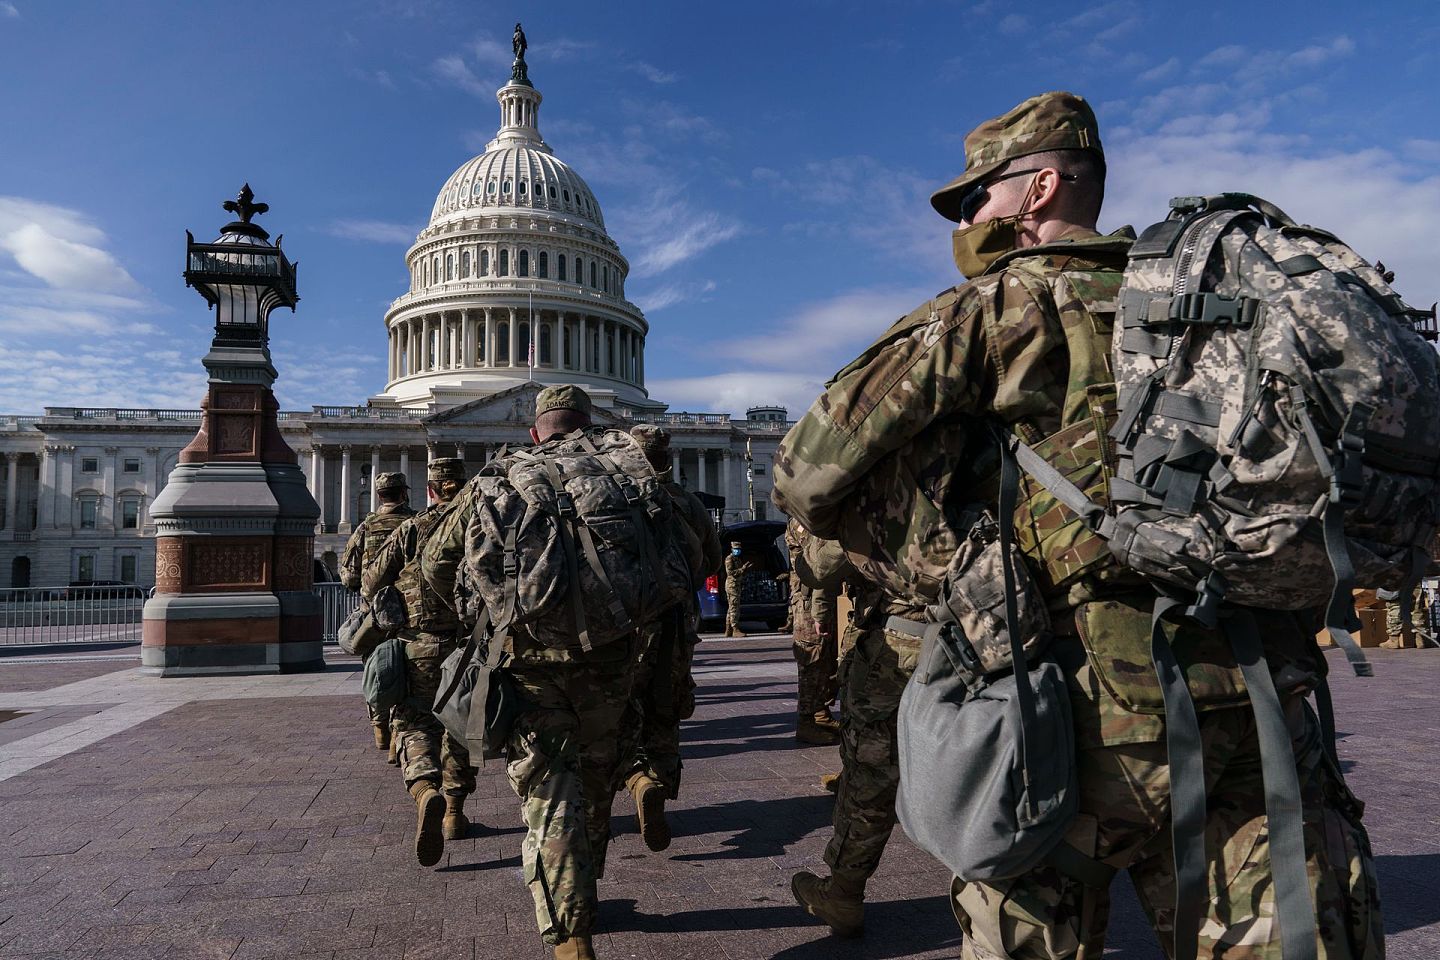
(764, 167)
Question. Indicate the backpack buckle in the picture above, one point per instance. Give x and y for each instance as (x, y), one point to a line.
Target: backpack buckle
(1347, 482)
(1212, 309)
(565, 505)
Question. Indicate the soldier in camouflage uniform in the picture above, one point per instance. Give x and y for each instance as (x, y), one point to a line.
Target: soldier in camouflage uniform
(565, 746)
(737, 568)
(1023, 342)
(436, 766)
(393, 492)
(664, 693)
(815, 644)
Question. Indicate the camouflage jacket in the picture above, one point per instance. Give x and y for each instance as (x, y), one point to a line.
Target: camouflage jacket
(398, 564)
(807, 601)
(367, 539)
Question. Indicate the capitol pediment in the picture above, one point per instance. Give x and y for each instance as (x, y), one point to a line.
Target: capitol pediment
(510, 407)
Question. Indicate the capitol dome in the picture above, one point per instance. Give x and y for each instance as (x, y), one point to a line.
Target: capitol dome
(515, 250)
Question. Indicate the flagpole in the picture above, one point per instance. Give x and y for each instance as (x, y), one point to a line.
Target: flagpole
(534, 332)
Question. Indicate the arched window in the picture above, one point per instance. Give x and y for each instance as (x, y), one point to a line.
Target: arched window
(544, 266)
(490, 188)
(552, 191)
(545, 344)
(592, 274)
(449, 266)
(579, 270)
(504, 263)
(522, 188)
(505, 188)
(524, 270)
(502, 342)
(560, 268)
(427, 273)
(484, 263)
(523, 344)
(605, 275)
(566, 194)
(465, 264)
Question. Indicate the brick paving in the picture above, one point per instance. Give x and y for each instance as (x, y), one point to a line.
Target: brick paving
(232, 818)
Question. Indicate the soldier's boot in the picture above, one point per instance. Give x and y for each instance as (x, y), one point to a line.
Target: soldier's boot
(394, 758)
(729, 631)
(838, 901)
(830, 781)
(456, 825)
(650, 810)
(818, 728)
(382, 735)
(735, 631)
(429, 811)
(576, 948)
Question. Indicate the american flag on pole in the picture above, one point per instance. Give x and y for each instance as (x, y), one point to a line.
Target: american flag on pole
(534, 334)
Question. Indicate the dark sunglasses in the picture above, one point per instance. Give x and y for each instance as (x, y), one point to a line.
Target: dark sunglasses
(978, 194)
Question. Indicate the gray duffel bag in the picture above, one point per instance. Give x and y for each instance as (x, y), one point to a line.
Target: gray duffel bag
(987, 752)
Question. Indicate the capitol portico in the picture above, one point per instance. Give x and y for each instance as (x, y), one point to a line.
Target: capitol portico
(514, 284)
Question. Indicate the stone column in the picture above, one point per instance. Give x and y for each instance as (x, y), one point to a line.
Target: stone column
(640, 363)
(467, 320)
(460, 451)
(106, 518)
(405, 464)
(46, 497)
(374, 475)
(514, 335)
(561, 344)
(489, 337)
(65, 484)
(317, 467)
(702, 458)
(411, 368)
(725, 459)
(12, 467)
(426, 352)
(345, 488)
(432, 452)
(584, 343)
(455, 359)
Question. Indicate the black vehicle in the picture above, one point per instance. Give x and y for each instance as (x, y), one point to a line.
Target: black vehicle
(765, 595)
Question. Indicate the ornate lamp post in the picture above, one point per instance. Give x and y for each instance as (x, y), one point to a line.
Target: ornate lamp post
(235, 524)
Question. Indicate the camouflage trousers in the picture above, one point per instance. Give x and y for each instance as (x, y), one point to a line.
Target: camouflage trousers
(732, 602)
(1394, 625)
(873, 678)
(817, 660)
(563, 754)
(663, 697)
(425, 750)
(1124, 821)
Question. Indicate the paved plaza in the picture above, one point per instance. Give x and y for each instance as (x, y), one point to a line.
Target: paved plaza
(249, 817)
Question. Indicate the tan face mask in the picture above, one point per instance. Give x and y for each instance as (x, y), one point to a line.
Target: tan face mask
(979, 245)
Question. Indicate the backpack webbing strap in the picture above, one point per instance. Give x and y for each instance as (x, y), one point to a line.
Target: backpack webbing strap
(1057, 484)
(1024, 693)
(1078, 866)
(1284, 811)
(566, 507)
(639, 516)
(1340, 613)
(1187, 786)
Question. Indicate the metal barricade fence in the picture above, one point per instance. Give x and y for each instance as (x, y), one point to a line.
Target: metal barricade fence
(96, 614)
(338, 603)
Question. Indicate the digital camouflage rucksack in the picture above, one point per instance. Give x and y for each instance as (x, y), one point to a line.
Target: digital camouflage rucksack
(1276, 441)
(572, 543)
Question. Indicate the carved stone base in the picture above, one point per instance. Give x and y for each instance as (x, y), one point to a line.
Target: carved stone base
(227, 633)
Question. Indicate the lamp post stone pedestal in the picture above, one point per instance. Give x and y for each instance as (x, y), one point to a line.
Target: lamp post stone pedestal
(235, 524)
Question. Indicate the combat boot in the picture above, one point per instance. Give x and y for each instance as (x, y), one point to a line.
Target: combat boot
(576, 948)
(837, 901)
(429, 811)
(818, 728)
(650, 811)
(382, 736)
(456, 825)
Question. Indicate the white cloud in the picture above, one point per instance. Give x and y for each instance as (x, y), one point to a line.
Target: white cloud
(667, 230)
(735, 392)
(653, 73)
(670, 294)
(59, 246)
(124, 373)
(1161, 71)
(453, 69)
(374, 231)
(1013, 25)
(7, 9)
(826, 332)
(346, 375)
(491, 52)
(1314, 56)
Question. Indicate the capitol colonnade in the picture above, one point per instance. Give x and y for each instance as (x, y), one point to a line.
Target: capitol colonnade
(496, 338)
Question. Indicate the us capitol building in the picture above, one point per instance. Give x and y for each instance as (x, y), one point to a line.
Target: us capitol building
(514, 284)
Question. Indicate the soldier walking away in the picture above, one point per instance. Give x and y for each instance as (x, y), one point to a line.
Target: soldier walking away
(737, 568)
(815, 643)
(664, 689)
(1026, 343)
(435, 765)
(393, 492)
(564, 748)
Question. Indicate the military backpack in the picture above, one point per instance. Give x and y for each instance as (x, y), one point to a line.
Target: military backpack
(1276, 440)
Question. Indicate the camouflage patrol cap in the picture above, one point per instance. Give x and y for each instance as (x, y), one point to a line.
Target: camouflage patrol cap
(391, 481)
(564, 396)
(445, 468)
(653, 439)
(1051, 121)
